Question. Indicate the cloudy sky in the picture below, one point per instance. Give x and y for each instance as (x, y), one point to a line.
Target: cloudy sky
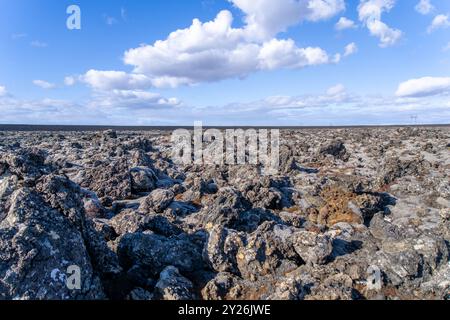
(225, 62)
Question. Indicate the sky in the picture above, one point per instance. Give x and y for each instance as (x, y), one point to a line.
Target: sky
(225, 62)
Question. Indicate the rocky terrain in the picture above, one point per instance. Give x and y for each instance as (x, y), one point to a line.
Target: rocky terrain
(346, 202)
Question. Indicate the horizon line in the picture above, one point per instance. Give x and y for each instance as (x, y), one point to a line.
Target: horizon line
(83, 127)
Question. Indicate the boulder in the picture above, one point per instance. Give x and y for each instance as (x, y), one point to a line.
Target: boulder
(38, 245)
(173, 286)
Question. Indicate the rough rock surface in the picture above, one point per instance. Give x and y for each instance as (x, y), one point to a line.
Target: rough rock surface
(347, 205)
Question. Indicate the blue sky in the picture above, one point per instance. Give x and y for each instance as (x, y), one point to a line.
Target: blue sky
(241, 62)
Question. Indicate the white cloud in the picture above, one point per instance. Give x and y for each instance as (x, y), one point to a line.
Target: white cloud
(115, 80)
(131, 99)
(214, 50)
(350, 49)
(345, 23)
(424, 7)
(324, 9)
(266, 18)
(370, 12)
(277, 54)
(44, 84)
(70, 81)
(3, 91)
(426, 86)
(136, 107)
(388, 36)
(441, 21)
(335, 107)
(121, 90)
(334, 95)
(116, 107)
(337, 94)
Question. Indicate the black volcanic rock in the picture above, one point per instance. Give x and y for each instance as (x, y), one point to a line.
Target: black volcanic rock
(345, 203)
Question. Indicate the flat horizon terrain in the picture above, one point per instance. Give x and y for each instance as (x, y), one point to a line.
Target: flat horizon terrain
(93, 128)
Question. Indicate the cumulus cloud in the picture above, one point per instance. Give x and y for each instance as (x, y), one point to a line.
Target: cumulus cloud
(370, 12)
(424, 7)
(426, 86)
(350, 49)
(115, 107)
(324, 9)
(345, 23)
(441, 21)
(277, 54)
(44, 84)
(334, 95)
(131, 100)
(43, 111)
(114, 80)
(215, 50)
(3, 91)
(266, 18)
(335, 107)
(70, 81)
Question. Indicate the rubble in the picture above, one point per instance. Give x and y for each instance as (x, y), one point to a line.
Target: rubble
(345, 203)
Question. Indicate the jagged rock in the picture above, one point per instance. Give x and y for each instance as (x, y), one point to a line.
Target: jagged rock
(109, 134)
(263, 197)
(139, 159)
(311, 247)
(287, 160)
(140, 294)
(268, 250)
(67, 197)
(173, 286)
(382, 229)
(130, 221)
(223, 208)
(8, 184)
(142, 180)
(117, 205)
(27, 164)
(156, 252)
(157, 201)
(336, 149)
(38, 244)
(415, 259)
(108, 180)
(162, 226)
(396, 167)
(93, 208)
(335, 287)
(103, 227)
(222, 247)
(398, 261)
(219, 288)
